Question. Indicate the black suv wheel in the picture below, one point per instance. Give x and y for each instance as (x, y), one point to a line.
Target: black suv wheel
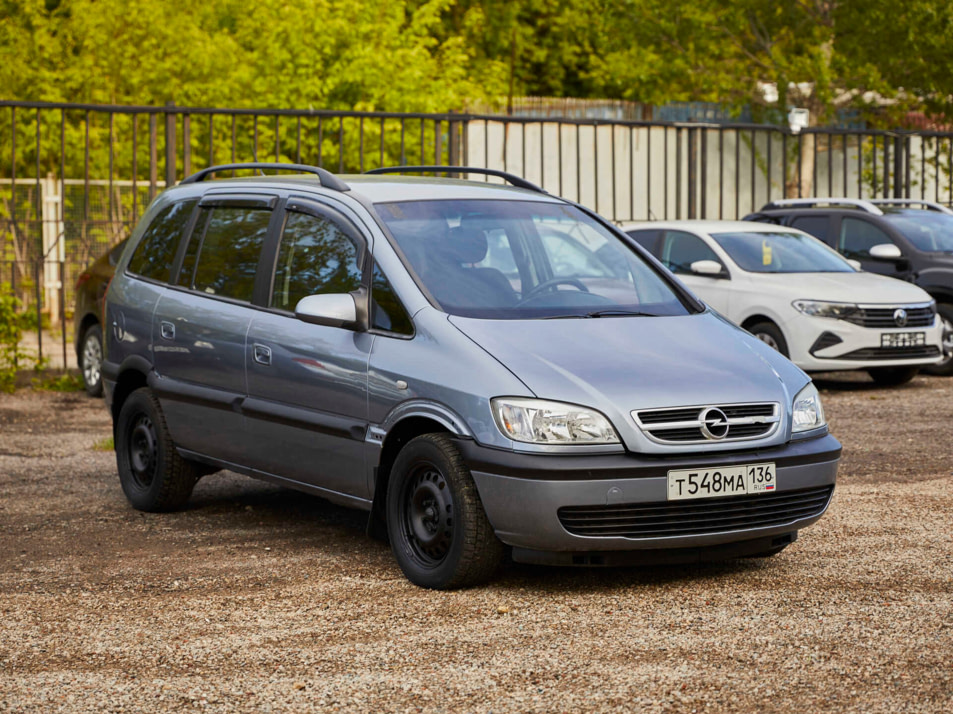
(438, 529)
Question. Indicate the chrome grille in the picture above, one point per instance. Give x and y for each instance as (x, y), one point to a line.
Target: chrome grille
(679, 518)
(684, 425)
(883, 317)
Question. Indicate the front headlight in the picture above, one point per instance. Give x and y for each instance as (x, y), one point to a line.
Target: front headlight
(807, 413)
(834, 310)
(537, 421)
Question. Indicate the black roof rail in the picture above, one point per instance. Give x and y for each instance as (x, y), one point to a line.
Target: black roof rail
(927, 205)
(513, 179)
(328, 180)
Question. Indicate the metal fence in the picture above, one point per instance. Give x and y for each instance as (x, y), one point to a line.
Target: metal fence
(75, 178)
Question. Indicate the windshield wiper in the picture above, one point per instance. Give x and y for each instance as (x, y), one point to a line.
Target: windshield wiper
(603, 313)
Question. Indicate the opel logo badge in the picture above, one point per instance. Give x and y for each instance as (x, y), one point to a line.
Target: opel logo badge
(900, 317)
(714, 424)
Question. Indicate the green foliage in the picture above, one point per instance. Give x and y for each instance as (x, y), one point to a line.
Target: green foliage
(66, 382)
(105, 444)
(12, 356)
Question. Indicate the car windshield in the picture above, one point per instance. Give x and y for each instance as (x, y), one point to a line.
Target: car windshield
(928, 230)
(781, 252)
(524, 259)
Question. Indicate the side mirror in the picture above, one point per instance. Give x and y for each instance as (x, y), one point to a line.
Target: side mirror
(885, 251)
(711, 268)
(855, 264)
(332, 310)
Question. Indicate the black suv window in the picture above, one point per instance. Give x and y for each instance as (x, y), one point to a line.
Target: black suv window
(857, 237)
(156, 251)
(223, 258)
(315, 257)
(680, 250)
(815, 225)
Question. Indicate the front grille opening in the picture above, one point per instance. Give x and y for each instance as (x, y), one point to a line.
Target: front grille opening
(711, 515)
(882, 317)
(875, 353)
(681, 425)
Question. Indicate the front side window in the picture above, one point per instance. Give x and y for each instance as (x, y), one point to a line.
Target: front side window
(780, 253)
(315, 257)
(857, 237)
(387, 312)
(680, 250)
(156, 251)
(223, 258)
(524, 259)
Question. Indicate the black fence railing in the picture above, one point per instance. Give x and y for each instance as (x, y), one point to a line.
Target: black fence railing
(74, 178)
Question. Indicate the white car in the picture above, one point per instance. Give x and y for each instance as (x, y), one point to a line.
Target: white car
(800, 296)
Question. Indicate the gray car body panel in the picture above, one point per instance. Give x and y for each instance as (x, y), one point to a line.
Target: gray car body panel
(316, 417)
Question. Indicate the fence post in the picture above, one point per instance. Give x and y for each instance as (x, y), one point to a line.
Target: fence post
(39, 309)
(692, 171)
(170, 152)
(898, 167)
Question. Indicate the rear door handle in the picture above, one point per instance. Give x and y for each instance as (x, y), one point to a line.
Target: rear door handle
(262, 354)
(167, 330)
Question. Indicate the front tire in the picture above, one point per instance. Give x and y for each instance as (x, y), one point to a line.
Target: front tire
(91, 360)
(438, 530)
(892, 376)
(152, 474)
(945, 367)
(771, 335)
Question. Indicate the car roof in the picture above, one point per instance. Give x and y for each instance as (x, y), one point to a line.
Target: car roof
(707, 226)
(384, 188)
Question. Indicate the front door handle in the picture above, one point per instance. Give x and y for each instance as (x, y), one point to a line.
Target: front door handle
(167, 330)
(262, 354)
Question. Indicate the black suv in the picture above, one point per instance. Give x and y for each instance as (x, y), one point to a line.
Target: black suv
(904, 238)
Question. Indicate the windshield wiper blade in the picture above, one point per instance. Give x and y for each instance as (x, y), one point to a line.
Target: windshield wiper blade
(602, 313)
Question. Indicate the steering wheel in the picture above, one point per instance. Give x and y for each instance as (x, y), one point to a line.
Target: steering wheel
(548, 284)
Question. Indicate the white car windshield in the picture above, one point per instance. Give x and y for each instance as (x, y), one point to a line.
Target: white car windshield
(762, 252)
(525, 259)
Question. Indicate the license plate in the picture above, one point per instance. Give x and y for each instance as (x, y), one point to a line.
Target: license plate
(721, 481)
(903, 339)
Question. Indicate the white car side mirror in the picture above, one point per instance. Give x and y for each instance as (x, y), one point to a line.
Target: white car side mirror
(332, 309)
(707, 267)
(855, 264)
(885, 251)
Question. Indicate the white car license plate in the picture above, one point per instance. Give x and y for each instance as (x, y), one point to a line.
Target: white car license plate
(903, 339)
(721, 481)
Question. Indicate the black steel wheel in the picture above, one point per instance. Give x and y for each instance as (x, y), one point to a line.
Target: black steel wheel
(152, 474)
(91, 360)
(438, 530)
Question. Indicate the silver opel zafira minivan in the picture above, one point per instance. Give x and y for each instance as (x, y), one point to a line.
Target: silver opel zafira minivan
(482, 367)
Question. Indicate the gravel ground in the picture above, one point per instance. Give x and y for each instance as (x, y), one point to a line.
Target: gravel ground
(261, 599)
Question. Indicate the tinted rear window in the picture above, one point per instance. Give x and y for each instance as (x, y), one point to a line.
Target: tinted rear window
(156, 251)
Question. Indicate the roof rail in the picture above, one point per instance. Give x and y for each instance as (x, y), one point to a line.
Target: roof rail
(328, 180)
(515, 180)
(927, 205)
(860, 203)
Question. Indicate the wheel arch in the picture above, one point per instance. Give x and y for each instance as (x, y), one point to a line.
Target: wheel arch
(131, 377)
(89, 320)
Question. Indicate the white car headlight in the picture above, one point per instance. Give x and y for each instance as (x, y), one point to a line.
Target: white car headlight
(537, 421)
(834, 310)
(807, 413)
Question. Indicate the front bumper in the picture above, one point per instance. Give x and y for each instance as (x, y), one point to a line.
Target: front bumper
(523, 493)
(859, 347)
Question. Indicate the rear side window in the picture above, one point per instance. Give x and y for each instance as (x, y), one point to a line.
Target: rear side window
(315, 257)
(156, 251)
(815, 225)
(223, 259)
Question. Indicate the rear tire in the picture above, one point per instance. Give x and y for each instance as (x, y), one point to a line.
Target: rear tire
(152, 474)
(771, 335)
(91, 360)
(944, 368)
(893, 376)
(438, 530)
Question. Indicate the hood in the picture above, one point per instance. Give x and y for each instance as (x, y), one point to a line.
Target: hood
(862, 288)
(618, 364)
